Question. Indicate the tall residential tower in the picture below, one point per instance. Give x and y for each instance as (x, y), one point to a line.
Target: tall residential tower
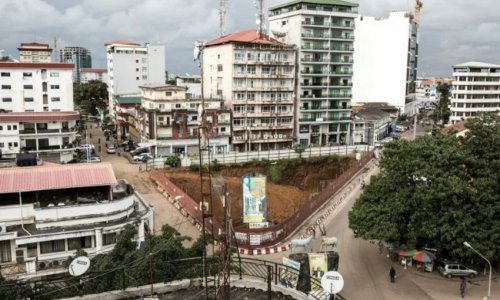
(78, 56)
(323, 31)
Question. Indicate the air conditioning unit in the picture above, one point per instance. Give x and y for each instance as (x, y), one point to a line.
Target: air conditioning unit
(3, 228)
(275, 136)
(280, 136)
(20, 255)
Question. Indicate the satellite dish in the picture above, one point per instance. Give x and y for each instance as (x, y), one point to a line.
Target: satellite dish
(79, 266)
(332, 282)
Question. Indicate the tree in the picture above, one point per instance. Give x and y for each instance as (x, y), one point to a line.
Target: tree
(437, 187)
(91, 95)
(442, 113)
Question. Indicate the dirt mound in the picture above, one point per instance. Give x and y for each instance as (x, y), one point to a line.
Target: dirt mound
(299, 181)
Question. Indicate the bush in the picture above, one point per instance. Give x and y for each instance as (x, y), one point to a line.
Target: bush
(173, 161)
(194, 167)
(216, 166)
(275, 173)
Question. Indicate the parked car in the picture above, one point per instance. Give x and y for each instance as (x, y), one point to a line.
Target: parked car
(450, 269)
(85, 147)
(143, 157)
(139, 151)
(401, 128)
(111, 150)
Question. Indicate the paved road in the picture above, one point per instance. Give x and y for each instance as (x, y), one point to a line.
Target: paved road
(165, 212)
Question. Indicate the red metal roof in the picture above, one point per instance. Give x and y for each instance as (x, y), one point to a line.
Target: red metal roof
(93, 70)
(122, 42)
(53, 177)
(46, 116)
(22, 65)
(248, 36)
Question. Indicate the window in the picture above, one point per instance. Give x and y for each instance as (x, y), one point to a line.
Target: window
(55, 99)
(52, 246)
(28, 99)
(1, 127)
(54, 86)
(162, 106)
(54, 74)
(144, 77)
(9, 127)
(136, 61)
(28, 86)
(137, 69)
(108, 239)
(168, 93)
(5, 254)
(5, 74)
(5, 86)
(177, 105)
(219, 68)
(7, 99)
(2, 145)
(16, 144)
(27, 74)
(80, 243)
(14, 127)
(137, 78)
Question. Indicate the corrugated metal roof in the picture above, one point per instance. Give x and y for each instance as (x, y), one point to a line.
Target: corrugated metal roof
(319, 2)
(53, 177)
(475, 64)
(129, 100)
(43, 116)
(23, 65)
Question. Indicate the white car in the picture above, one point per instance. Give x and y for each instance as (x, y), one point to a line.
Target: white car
(85, 147)
(93, 159)
(111, 150)
(143, 157)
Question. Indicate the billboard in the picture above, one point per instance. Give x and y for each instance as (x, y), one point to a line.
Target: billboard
(254, 198)
(317, 265)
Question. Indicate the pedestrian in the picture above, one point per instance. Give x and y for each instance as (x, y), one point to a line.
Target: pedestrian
(463, 285)
(90, 134)
(392, 274)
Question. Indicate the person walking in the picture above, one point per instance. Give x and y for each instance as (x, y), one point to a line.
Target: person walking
(463, 285)
(392, 274)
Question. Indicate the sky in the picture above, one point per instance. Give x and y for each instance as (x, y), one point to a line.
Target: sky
(451, 31)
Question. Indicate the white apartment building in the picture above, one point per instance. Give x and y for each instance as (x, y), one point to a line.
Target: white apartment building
(386, 58)
(36, 109)
(131, 65)
(370, 125)
(476, 89)
(255, 77)
(48, 212)
(35, 53)
(88, 74)
(323, 31)
(170, 119)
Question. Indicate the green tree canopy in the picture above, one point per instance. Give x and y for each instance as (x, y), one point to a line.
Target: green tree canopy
(437, 187)
(442, 113)
(91, 95)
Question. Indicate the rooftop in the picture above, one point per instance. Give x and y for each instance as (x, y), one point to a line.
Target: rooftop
(250, 36)
(128, 99)
(474, 64)
(370, 114)
(54, 177)
(23, 65)
(46, 116)
(163, 87)
(122, 42)
(317, 2)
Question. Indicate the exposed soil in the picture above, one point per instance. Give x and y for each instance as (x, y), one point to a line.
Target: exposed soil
(300, 182)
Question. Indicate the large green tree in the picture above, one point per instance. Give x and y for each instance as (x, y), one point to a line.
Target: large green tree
(437, 187)
(91, 95)
(442, 112)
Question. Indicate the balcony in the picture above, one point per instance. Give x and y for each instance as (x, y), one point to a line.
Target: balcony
(33, 131)
(341, 25)
(340, 95)
(326, 60)
(325, 72)
(325, 108)
(315, 47)
(342, 48)
(324, 119)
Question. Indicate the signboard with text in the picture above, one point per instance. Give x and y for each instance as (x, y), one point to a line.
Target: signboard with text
(254, 198)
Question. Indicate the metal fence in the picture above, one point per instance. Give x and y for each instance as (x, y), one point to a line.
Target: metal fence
(118, 279)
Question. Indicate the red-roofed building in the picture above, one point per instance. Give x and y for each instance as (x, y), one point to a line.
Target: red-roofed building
(36, 110)
(48, 212)
(255, 76)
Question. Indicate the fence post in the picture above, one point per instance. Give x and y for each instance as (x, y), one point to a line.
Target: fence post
(269, 278)
(276, 273)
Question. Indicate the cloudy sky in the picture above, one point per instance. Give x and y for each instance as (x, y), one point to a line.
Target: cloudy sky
(452, 31)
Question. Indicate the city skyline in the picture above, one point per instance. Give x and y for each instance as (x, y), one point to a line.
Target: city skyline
(449, 32)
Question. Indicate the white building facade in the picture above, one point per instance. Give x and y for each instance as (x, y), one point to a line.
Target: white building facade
(35, 53)
(39, 232)
(475, 90)
(38, 113)
(386, 59)
(88, 74)
(131, 65)
(170, 119)
(255, 76)
(323, 31)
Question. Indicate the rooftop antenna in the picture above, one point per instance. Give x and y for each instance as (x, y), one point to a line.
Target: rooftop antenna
(259, 5)
(222, 17)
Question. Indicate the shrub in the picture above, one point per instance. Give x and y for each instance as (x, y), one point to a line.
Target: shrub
(216, 166)
(275, 173)
(173, 161)
(194, 167)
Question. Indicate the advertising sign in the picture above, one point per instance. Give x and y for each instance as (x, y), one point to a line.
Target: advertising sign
(254, 198)
(332, 282)
(290, 277)
(317, 265)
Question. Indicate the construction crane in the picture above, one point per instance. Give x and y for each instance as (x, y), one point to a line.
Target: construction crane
(418, 7)
(222, 16)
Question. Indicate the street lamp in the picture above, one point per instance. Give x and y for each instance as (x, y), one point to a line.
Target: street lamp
(489, 283)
